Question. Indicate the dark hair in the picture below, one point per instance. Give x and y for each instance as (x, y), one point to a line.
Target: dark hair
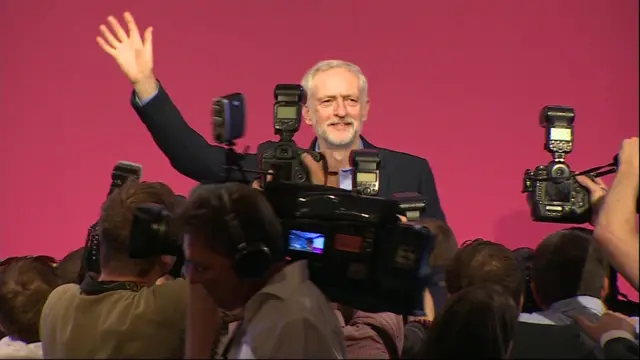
(207, 213)
(68, 268)
(445, 242)
(566, 264)
(484, 262)
(524, 256)
(115, 225)
(25, 285)
(477, 323)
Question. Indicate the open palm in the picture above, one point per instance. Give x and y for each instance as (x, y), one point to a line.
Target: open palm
(133, 55)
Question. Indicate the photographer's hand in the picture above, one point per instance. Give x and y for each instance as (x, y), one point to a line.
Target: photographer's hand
(597, 190)
(133, 55)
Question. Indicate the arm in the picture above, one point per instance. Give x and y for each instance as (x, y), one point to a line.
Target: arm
(616, 224)
(189, 153)
(619, 346)
(430, 193)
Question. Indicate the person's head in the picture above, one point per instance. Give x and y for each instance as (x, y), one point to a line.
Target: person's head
(220, 222)
(524, 256)
(477, 323)
(25, 285)
(115, 227)
(484, 262)
(69, 267)
(445, 242)
(337, 102)
(566, 264)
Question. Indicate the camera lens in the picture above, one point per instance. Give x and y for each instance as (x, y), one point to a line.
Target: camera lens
(560, 172)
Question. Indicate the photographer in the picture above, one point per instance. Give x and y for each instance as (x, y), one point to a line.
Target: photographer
(122, 313)
(615, 225)
(337, 108)
(235, 255)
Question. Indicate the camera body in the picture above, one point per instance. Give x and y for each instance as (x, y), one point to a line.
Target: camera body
(366, 171)
(284, 159)
(553, 193)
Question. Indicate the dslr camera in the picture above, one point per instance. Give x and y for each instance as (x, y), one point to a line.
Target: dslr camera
(553, 193)
(283, 159)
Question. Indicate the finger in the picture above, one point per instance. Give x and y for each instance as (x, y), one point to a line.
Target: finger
(133, 28)
(103, 44)
(117, 29)
(108, 36)
(586, 182)
(402, 218)
(148, 42)
(256, 185)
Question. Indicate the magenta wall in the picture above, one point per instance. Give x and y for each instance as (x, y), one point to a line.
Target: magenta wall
(457, 82)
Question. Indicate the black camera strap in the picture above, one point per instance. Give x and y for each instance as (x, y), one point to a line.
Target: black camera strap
(387, 340)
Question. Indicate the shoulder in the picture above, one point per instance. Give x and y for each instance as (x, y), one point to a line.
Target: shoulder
(62, 294)
(405, 159)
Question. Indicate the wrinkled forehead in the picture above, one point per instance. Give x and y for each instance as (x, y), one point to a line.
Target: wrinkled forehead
(336, 82)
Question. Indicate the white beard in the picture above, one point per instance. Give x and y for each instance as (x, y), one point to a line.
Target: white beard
(341, 139)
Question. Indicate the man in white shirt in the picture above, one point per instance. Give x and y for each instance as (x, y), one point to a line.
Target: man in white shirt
(235, 256)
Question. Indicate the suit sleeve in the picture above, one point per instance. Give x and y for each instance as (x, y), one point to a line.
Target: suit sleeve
(430, 193)
(621, 348)
(189, 153)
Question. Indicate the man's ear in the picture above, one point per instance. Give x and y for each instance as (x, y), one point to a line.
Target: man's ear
(167, 262)
(306, 114)
(365, 110)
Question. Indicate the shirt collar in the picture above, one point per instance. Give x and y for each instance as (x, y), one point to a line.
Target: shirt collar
(578, 304)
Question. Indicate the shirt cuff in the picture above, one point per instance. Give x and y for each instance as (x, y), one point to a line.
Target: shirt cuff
(613, 334)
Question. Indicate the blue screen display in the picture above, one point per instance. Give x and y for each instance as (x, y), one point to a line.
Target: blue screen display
(306, 241)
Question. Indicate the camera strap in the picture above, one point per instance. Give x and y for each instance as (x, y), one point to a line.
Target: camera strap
(387, 340)
(599, 171)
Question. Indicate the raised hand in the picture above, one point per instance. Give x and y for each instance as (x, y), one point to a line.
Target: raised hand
(133, 54)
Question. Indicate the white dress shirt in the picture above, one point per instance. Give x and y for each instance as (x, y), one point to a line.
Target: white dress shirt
(289, 318)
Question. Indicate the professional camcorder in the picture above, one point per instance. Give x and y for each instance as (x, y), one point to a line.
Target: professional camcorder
(358, 251)
(553, 193)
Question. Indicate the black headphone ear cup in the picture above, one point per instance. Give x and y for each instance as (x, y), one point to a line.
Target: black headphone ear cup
(252, 263)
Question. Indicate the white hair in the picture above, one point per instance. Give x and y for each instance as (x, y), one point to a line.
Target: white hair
(322, 66)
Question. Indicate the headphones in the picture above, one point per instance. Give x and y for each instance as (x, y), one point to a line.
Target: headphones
(251, 259)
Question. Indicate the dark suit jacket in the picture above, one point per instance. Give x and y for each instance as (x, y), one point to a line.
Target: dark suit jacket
(543, 341)
(621, 348)
(192, 156)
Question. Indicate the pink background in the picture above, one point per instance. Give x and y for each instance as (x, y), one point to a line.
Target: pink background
(458, 82)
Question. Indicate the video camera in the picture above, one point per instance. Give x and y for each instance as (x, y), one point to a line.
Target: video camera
(553, 193)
